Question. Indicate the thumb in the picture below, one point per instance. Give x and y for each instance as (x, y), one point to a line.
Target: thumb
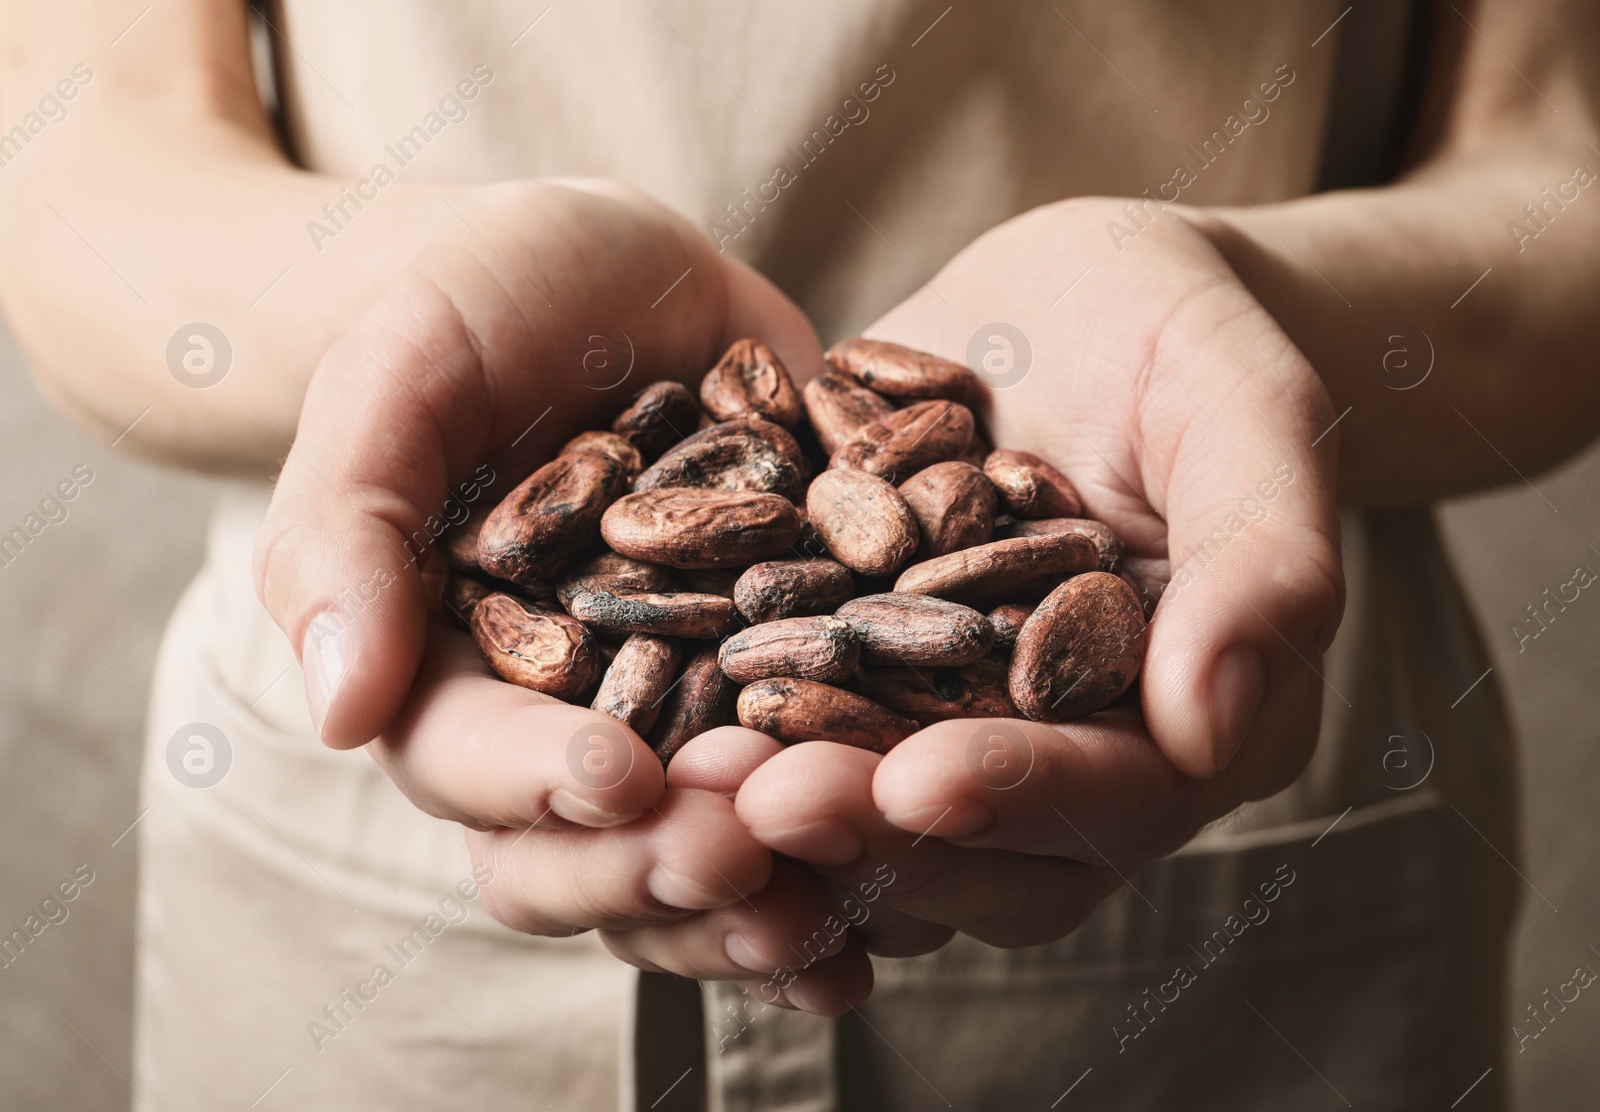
(1253, 539)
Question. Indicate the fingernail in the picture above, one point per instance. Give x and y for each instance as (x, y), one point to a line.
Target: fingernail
(676, 890)
(960, 818)
(829, 841)
(326, 653)
(1237, 680)
(584, 812)
(745, 956)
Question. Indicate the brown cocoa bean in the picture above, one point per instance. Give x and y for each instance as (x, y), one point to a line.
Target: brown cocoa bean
(838, 408)
(619, 448)
(1080, 649)
(864, 521)
(710, 581)
(683, 614)
(1106, 542)
(917, 630)
(750, 378)
(683, 527)
(639, 677)
(822, 649)
(796, 710)
(954, 504)
(901, 372)
(460, 546)
(612, 571)
(660, 415)
(791, 588)
(539, 649)
(1000, 568)
(460, 598)
(550, 519)
(735, 455)
(976, 690)
(1008, 619)
(907, 440)
(1030, 487)
(701, 700)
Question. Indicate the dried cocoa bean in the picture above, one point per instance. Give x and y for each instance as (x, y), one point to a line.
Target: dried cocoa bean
(550, 519)
(610, 444)
(1000, 568)
(954, 504)
(735, 455)
(838, 408)
(864, 521)
(460, 547)
(901, 372)
(1008, 619)
(917, 630)
(637, 680)
(687, 528)
(710, 581)
(750, 378)
(822, 649)
(791, 588)
(701, 700)
(661, 414)
(684, 614)
(460, 598)
(1030, 487)
(536, 648)
(795, 710)
(612, 571)
(908, 440)
(1105, 541)
(1080, 649)
(976, 690)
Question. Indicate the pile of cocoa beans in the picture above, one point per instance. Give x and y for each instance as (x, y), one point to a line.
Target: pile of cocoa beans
(847, 563)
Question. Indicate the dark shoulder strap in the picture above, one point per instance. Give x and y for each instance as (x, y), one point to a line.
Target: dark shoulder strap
(1377, 85)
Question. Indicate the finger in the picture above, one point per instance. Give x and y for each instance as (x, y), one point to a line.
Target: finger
(475, 750)
(431, 387)
(789, 923)
(720, 759)
(831, 987)
(689, 853)
(814, 802)
(882, 929)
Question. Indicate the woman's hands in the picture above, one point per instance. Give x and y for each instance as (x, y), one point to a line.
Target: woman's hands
(1196, 430)
(534, 316)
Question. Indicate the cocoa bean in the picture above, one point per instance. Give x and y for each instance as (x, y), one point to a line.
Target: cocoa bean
(907, 440)
(976, 690)
(791, 588)
(687, 528)
(822, 649)
(460, 598)
(612, 571)
(1008, 619)
(619, 448)
(1000, 568)
(660, 415)
(684, 614)
(1080, 649)
(735, 455)
(750, 378)
(796, 710)
(460, 546)
(710, 581)
(1106, 542)
(1030, 487)
(701, 700)
(535, 648)
(954, 504)
(637, 680)
(917, 630)
(901, 372)
(864, 521)
(550, 518)
(838, 408)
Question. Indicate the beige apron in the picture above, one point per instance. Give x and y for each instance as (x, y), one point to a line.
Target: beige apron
(308, 940)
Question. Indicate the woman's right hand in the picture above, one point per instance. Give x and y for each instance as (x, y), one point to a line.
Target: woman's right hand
(475, 356)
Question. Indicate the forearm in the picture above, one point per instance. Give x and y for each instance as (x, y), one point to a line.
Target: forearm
(161, 199)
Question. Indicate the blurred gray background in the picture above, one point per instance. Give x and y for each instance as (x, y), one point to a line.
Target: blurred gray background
(82, 610)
